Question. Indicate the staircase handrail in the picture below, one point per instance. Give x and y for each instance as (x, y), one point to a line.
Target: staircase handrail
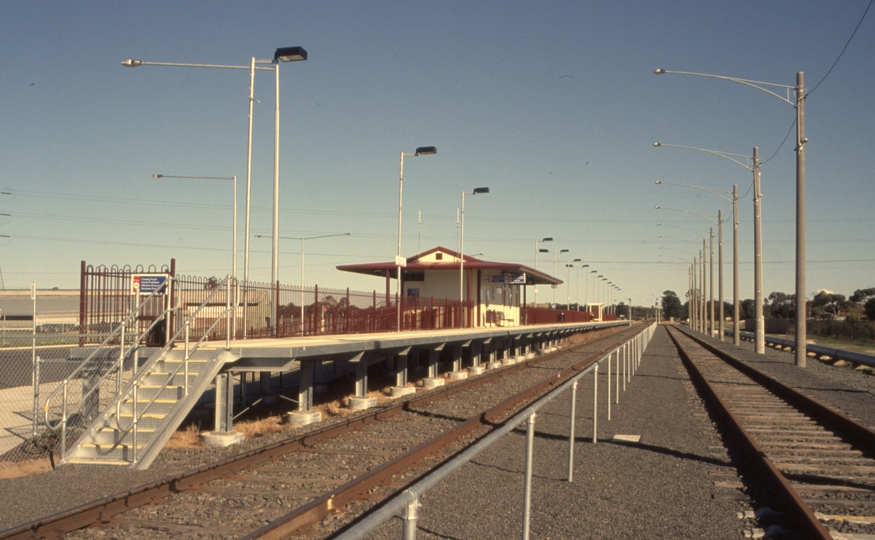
(118, 332)
(132, 385)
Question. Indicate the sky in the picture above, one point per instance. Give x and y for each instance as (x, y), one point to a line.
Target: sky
(552, 105)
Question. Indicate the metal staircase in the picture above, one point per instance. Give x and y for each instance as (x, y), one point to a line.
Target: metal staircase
(127, 410)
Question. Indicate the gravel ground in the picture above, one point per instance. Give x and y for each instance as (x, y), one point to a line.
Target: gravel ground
(678, 482)
(27, 498)
(846, 389)
(662, 487)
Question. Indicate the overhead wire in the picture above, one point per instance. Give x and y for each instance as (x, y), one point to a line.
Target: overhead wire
(829, 71)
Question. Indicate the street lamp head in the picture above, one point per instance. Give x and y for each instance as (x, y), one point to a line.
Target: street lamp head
(131, 63)
(563, 251)
(659, 71)
(576, 260)
(584, 266)
(657, 144)
(657, 208)
(548, 239)
(290, 54)
(480, 190)
(157, 176)
(658, 182)
(542, 250)
(425, 151)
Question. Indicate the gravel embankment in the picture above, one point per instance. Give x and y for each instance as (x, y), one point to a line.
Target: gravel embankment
(678, 482)
(32, 497)
(844, 388)
(662, 487)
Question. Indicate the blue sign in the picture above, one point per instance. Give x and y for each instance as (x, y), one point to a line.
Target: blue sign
(148, 283)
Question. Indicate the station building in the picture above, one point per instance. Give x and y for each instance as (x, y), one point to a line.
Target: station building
(494, 290)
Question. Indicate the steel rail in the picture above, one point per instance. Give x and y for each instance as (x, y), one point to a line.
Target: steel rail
(809, 526)
(102, 510)
(311, 513)
(854, 432)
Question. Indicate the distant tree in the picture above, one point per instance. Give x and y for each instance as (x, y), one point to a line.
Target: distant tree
(671, 305)
(869, 308)
(747, 309)
(728, 310)
(861, 296)
(781, 305)
(828, 305)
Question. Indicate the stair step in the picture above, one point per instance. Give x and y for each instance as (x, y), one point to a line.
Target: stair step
(108, 447)
(99, 463)
(112, 437)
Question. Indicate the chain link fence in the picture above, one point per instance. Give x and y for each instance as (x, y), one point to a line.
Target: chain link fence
(36, 337)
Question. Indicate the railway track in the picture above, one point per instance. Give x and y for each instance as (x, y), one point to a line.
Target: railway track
(320, 482)
(818, 463)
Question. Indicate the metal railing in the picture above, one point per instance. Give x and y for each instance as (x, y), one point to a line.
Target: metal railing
(97, 371)
(407, 503)
(184, 332)
(119, 377)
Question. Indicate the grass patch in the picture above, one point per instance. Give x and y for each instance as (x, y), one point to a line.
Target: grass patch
(186, 438)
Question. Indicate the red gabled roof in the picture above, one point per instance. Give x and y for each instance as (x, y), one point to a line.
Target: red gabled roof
(413, 264)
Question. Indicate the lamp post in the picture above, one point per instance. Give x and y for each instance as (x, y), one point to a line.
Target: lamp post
(548, 239)
(234, 213)
(609, 295)
(694, 296)
(302, 238)
(477, 191)
(710, 235)
(754, 168)
(577, 294)
(568, 266)
(736, 330)
(690, 285)
(554, 273)
(284, 54)
(799, 104)
(399, 260)
(592, 273)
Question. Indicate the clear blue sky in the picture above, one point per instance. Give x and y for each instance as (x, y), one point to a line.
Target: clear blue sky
(552, 105)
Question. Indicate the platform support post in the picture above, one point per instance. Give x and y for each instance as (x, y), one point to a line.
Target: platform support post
(305, 385)
(224, 402)
(361, 375)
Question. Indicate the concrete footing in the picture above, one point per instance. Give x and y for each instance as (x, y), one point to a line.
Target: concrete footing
(433, 382)
(221, 438)
(302, 418)
(361, 403)
(398, 391)
(476, 370)
(457, 375)
(493, 365)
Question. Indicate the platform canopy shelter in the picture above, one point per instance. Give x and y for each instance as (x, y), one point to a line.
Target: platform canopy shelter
(493, 290)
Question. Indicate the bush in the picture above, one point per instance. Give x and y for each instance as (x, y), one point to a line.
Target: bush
(847, 330)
